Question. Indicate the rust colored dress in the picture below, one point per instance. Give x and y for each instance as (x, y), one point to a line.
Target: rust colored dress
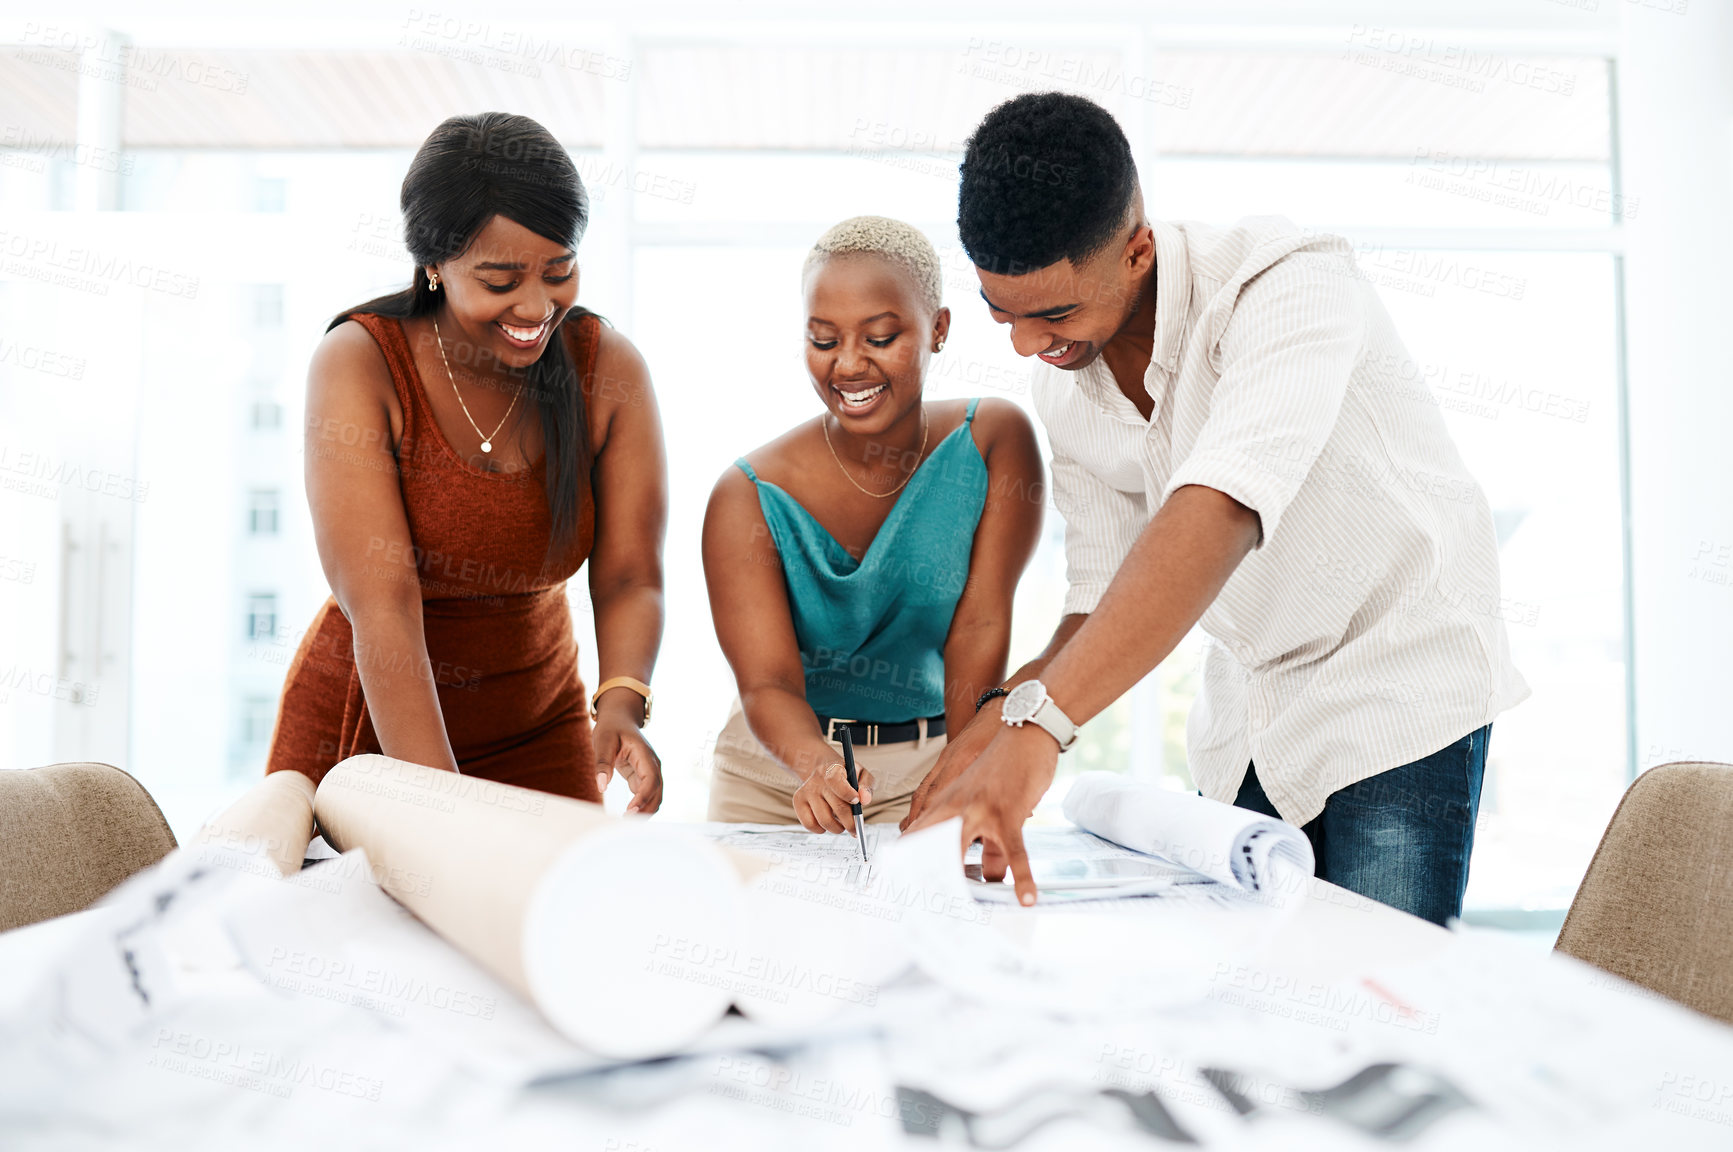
(500, 646)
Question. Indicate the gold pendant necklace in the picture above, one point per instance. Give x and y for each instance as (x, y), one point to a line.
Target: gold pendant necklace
(925, 428)
(486, 440)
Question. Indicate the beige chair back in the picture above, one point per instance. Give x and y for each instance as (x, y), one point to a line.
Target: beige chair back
(1656, 906)
(68, 834)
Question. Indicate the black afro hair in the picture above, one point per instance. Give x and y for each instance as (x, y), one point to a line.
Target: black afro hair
(1046, 176)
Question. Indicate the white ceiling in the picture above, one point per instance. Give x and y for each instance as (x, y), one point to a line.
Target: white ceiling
(1296, 77)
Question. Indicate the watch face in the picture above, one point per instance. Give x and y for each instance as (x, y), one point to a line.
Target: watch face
(1023, 702)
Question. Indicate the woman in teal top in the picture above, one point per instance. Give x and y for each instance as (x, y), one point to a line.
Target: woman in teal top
(861, 566)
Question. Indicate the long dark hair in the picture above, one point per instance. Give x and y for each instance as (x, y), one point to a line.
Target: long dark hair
(471, 169)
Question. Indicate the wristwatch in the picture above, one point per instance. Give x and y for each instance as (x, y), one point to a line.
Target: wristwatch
(1028, 702)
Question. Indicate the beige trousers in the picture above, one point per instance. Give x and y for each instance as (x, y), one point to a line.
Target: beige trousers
(748, 786)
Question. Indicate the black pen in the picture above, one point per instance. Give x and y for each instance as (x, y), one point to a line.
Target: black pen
(854, 782)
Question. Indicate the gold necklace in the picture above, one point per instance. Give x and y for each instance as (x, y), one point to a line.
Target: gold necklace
(925, 428)
(486, 440)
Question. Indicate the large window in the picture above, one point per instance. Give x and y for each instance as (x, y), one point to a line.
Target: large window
(1477, 183)
(1478, 189)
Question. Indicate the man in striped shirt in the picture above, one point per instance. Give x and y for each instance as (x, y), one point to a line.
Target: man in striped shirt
(1234, 445)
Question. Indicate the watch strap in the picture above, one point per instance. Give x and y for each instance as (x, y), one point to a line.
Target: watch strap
(1055, 722)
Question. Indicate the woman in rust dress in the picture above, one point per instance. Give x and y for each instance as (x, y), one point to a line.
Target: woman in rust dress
(471, 442)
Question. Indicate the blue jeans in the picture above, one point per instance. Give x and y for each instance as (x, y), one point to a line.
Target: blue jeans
(1401, 837)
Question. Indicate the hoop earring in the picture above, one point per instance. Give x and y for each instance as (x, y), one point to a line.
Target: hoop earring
(433, 281)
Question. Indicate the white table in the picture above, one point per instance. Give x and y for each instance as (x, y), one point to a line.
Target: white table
(1540, 1043)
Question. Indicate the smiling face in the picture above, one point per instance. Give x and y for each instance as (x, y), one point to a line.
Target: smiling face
(868, 340)
(508, 292)
(1066, 313)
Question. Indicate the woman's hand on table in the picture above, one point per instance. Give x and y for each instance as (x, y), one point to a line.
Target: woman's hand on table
(620, 747)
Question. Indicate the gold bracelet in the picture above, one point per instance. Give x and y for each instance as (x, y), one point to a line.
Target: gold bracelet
(631, 682)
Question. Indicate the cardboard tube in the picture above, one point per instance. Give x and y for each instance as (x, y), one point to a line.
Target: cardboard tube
(273, 819)
(596, 919)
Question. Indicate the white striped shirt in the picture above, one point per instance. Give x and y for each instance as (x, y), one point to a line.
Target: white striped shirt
(1364, 631)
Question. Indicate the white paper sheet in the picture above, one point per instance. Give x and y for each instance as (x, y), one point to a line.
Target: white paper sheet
(820, 936)
(1076, 965)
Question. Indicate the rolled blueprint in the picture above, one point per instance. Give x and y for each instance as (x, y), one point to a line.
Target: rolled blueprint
(274, 819)
(588, 915)
(1234, 845)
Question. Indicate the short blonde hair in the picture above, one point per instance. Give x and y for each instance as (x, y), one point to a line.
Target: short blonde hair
(901, 244)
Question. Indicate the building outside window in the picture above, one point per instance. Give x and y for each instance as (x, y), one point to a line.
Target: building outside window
(258, 714)
(268, 305)
(261, 615)
(262, 511)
